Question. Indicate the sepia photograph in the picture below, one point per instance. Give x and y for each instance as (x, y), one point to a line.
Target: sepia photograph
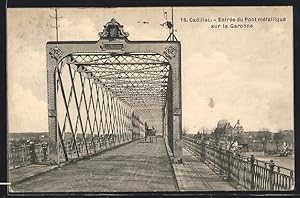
(150, 99)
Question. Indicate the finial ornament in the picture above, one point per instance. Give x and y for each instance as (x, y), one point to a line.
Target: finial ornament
(113, 30)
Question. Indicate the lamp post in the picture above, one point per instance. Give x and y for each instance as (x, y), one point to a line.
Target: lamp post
(264, 142)
(250, 141)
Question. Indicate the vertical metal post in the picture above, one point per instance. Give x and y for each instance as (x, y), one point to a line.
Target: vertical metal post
(177, 106)
(271, 174)
(52, 119)
(170, 113)
(163, 121)
(133, 125)
(252, 171)
(23, 154)
(56, 25)
(172, 29)
(291, 181)
(58, 149)
(214, 158)
(204, 152)
(221, 160)
(228, 166)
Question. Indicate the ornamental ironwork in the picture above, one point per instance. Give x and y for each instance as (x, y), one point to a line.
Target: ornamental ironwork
(113, 30)
(55, 52)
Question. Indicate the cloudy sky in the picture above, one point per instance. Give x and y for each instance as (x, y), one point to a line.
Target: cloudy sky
(247, 73)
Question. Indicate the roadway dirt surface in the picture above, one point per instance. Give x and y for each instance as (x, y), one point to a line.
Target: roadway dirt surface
(137, 166)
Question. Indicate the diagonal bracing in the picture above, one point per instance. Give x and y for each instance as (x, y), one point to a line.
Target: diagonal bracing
(100, 91)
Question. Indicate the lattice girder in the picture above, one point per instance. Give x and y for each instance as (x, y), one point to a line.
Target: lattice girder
(127, 76)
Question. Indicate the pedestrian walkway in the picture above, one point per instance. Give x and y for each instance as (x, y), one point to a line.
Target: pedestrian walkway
(23, 173)
(194, 175)
(135, 167)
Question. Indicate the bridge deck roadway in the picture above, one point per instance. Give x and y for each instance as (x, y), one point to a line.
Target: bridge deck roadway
(137, 166)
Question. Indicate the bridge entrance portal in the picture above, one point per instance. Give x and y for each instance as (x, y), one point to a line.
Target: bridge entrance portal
(103, 92)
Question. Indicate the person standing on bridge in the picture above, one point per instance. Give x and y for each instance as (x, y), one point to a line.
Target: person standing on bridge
(32, 153)
(44, 149)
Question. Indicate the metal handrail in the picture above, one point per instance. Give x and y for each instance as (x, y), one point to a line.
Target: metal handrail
(248, 172)
(24, 155)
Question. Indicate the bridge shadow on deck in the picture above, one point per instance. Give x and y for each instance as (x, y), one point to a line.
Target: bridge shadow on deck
(134, 167)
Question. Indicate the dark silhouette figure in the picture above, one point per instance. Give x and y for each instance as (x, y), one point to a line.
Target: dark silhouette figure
(32, 153)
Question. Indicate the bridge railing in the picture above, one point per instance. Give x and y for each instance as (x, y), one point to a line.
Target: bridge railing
(248, 172)
(99, 144)
(25, 154)
(37, 154)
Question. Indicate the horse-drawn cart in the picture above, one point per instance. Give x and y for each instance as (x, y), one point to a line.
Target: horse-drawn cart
(151, 133)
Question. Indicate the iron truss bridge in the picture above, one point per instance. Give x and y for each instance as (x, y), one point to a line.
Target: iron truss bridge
(112, 89)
